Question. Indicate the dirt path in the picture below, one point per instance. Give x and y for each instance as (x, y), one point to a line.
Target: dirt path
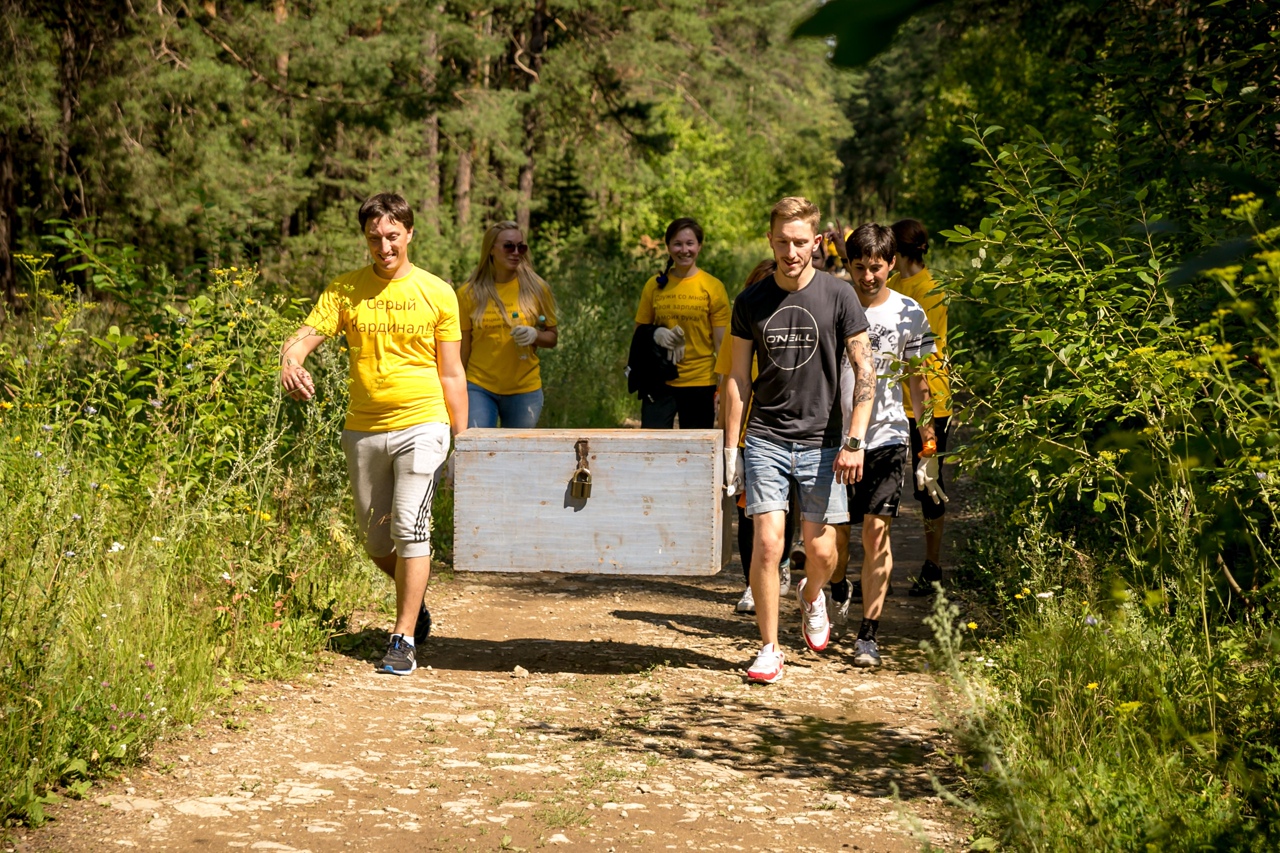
(628, 726)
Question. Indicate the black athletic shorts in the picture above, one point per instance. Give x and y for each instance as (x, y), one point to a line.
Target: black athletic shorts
(880, 490)
(927, 506)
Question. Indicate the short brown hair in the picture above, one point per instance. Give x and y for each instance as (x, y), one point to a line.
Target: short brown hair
(391, 205)
(870, 240)
(792, 208)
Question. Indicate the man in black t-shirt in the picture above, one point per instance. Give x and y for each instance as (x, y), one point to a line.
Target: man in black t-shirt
(796, 325)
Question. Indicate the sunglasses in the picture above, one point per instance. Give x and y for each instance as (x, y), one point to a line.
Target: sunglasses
(518, 248)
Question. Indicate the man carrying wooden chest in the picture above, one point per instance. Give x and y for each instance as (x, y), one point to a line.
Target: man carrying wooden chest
(798, 325)
(408, 395)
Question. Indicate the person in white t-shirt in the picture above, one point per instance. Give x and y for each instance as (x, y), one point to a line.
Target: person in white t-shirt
(900, 340)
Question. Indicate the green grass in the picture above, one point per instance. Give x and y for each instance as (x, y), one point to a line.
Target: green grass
(1109, 726)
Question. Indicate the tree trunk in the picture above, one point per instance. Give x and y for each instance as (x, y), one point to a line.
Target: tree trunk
(462, 188)
(8, 215)
(282, 58)
(526, 195)
(537, 46)
(282, 70)
(431, 131)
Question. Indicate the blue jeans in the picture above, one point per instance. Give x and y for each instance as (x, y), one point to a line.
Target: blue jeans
(771, 469)
(516, 411)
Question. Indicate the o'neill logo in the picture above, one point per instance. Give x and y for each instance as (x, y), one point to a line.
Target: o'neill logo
(791, 337)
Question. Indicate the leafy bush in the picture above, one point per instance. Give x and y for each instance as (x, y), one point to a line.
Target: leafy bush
(1124, 424)
(166, 523)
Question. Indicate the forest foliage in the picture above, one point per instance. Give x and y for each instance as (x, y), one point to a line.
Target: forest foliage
(1104, 176)
(232, 132)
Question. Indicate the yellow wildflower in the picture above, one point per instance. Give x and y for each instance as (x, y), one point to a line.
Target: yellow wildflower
(972, 626)
(5, 404)
(265, 516)
(1128, 707)
(1092, 685)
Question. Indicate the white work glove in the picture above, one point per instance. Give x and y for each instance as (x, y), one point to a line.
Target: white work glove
(675, 343)
(524, 335)
(734, 479)
(927, 479)
(668, 338)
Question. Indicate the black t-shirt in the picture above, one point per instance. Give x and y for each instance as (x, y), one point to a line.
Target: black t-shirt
(798, 340)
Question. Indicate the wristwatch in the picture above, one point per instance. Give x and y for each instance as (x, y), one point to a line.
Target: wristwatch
(852, 443)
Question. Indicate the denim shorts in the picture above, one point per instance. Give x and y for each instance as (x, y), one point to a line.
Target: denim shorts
(772, 469)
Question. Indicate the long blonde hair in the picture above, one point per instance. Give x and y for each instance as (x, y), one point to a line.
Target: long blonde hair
(534, 294)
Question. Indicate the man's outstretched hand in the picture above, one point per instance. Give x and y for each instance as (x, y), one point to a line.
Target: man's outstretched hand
(297, 382)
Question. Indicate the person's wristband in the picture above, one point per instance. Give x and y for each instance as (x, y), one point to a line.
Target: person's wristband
(930, 448)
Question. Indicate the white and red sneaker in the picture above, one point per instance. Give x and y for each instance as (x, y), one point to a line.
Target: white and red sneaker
(814, 624)
(767, 667)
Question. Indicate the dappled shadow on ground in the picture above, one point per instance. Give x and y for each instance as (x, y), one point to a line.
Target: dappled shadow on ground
(537, 655)
(870, 759)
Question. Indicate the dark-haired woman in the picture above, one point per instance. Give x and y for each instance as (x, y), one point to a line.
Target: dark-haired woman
(913, 280)
(691, 310)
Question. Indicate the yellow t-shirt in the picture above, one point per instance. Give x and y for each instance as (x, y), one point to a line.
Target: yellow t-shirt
(392, 328)
(923, 289)
(696, 304)
(724, 363)
(496, 364)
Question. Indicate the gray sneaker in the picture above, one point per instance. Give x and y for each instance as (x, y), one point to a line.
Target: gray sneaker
(784, 579)
(866, 653)
(746, 604)
(400, 659)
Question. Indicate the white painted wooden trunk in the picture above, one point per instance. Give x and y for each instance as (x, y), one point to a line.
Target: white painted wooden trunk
(656, 503)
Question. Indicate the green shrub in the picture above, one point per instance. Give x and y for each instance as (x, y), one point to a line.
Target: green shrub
(167, 524)
(1124, 425)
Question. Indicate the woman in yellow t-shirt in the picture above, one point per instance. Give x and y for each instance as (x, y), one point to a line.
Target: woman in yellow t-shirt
(506, 312)
(914, 280)
(691, 310)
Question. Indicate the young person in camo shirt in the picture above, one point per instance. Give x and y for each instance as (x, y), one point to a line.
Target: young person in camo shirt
(900, 339)
(408, 396)
(797, 324)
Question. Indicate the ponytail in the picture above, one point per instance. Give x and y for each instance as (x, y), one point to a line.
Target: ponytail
(662, 276)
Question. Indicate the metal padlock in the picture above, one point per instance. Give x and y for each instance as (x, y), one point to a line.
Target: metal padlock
(580, 485)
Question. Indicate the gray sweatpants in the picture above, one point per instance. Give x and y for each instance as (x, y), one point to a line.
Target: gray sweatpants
(393, 475)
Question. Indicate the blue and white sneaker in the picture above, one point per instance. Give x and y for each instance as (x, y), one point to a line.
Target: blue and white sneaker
(401, 657)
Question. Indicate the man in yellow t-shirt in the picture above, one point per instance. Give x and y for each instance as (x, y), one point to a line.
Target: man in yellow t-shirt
(408, 397)
(691, 309)
(914, 281)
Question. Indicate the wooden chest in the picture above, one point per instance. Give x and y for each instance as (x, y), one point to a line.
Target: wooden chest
(655, 507)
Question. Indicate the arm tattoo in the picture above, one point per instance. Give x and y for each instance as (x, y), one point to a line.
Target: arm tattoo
(864, 379)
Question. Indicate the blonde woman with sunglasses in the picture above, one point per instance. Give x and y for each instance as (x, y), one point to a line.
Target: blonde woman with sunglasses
(507, 314)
